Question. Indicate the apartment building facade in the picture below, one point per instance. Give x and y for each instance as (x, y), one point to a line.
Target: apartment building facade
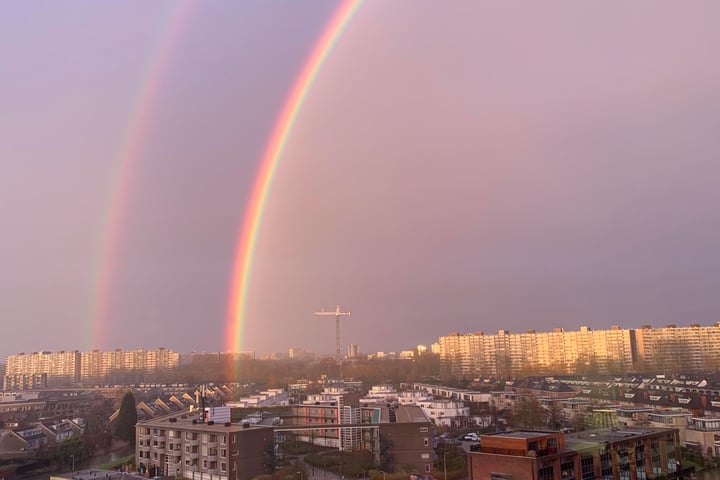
(559, 351)
(66, 368)
(60, 368)
(182, 446)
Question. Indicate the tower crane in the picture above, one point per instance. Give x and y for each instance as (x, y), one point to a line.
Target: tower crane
(337, 314)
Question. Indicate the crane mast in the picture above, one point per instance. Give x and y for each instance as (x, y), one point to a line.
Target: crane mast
(337, 313)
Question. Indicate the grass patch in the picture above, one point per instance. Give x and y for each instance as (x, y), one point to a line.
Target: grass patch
(130, 459)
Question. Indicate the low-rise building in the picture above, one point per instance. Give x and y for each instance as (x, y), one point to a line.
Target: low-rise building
(446, 413)
(182, 446)
(703, 436)
(605, 453)
(672, 418)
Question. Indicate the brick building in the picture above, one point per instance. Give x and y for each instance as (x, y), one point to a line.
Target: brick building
(179, 446)
(630, 453)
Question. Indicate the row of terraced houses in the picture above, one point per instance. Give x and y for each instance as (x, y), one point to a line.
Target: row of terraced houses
(617, 350)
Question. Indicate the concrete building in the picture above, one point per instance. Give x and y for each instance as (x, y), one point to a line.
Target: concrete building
(703, 436)
(445, 413)
(409, 434)
(333, 406)
(601, 351)
(402, 433)
(380, 394)
(62, 369)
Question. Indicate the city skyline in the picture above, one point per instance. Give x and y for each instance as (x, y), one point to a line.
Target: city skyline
(420, 348)
(476, 167)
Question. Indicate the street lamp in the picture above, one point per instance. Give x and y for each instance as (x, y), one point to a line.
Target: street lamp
(445, 464)
(72, 456)
(301, 475)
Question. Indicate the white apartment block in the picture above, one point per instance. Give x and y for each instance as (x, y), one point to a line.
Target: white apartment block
(445, 413)
(73, 367)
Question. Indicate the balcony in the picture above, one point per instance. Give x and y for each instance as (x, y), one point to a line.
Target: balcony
(192, 455)
(192, 443)
(143, 436)
(159, 450)
(212, 458)
(143, 448)
(212, 444)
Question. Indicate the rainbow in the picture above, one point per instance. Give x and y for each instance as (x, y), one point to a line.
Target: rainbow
(105, 260)
(248, 234)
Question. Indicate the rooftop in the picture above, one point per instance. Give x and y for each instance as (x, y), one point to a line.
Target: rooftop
(189, 422)
(521, 434)
(610, 435)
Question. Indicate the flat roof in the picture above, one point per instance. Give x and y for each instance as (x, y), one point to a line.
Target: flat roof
(520, 434)
(97, 474)
(610, 435)
(184, 421)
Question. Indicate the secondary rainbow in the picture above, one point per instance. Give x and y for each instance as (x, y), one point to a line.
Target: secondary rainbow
(248, 234)
(105, 260)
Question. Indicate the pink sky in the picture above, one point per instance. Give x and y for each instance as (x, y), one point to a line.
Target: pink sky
(477, 166)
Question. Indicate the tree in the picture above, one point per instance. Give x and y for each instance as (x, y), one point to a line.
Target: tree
(530, 414)
(555, 416)
(71, 451)
(126, 419)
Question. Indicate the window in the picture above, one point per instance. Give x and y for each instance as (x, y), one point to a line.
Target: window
(224, 439)
(623, 463)
(606, 465)
(427, 468)
(223, 467)
(545, 472)
(426, 441)
(655, 457)
(223, 452)
(640, 461)
(423, 429)
(567, 468)
(425, 456)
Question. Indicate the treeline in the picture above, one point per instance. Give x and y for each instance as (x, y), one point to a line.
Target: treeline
(220, 368)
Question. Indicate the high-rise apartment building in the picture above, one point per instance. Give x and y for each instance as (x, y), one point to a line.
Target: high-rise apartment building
(61, 368)
(72, 368)
(581, 351)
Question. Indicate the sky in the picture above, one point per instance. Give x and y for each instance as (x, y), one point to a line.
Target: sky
(457, 167)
